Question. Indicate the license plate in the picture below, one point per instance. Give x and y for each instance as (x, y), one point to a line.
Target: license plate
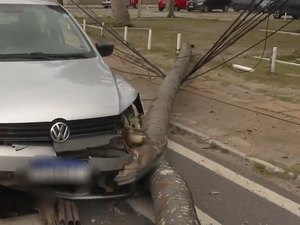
(58, 171)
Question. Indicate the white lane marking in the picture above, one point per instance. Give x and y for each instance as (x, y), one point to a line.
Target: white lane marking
(143, 206)
(205, 219)
(238, 179)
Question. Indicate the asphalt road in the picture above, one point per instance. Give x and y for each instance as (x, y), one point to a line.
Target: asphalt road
(154, 12)
(219, 197)
(225, 192)
(229, 203)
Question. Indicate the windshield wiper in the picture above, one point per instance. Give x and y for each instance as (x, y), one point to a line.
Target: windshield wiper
(32, 55)
(69, 56)
(43, 56)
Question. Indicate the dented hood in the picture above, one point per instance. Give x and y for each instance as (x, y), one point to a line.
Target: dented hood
(42, 91)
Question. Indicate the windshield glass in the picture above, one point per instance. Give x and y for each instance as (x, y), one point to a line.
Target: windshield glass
(37, 31)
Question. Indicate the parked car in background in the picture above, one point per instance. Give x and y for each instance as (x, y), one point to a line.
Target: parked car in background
(128, 3)
(292, 8)
(265, 4)
(178, 4)
(208, 5)
(106, 3)
(133, 3)
(238, 5)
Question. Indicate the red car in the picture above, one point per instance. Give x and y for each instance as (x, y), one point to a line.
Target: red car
(178, 4)
(133, 3)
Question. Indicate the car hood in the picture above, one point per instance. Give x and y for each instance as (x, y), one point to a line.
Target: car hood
(42, 91)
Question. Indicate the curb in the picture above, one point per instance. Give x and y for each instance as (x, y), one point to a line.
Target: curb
(221, 146)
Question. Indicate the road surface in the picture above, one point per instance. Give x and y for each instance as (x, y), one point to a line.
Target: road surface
(225, 192)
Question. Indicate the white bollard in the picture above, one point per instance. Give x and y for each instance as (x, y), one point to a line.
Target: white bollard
(178, 45)
(84, 24)
(101, 29)
(243, 68)
(284, 17)
(273, 59)
(149, 39)
(125, 34)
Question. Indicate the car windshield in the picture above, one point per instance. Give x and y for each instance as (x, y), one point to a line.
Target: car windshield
(40, 32)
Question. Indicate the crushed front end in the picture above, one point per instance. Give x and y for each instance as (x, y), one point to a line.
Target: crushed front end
(79, 159)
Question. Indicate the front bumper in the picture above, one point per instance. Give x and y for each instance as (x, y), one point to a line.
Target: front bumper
(18, 159)
(14, 157)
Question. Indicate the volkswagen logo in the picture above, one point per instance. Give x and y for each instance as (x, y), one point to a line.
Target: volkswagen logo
(59, 132)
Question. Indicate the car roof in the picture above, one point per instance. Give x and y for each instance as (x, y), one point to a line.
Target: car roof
(29, 2)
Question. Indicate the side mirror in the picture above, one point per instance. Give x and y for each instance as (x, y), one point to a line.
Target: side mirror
(105, 48)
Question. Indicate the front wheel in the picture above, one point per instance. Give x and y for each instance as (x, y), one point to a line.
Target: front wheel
(277, 15)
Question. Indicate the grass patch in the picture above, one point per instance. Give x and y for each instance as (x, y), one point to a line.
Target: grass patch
(259, 168)
(295, 168)
(226, 83)
(280, 78)
(199, 140)
(203, 33)
(293, 57)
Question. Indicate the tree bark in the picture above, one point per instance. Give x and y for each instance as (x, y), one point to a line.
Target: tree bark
(171, 9)
(120, 13)
(139, 8)
(157, 118)
(173, 202)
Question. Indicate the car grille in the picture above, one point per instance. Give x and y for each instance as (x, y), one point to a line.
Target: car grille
(40, 132)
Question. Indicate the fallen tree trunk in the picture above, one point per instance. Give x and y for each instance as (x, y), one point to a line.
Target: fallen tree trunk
(159, 112)
(173, 203)
(155, 123)
(172, 200)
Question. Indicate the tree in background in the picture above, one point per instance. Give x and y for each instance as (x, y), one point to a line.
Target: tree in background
(171, 9)
(120, 13)
(60, 2)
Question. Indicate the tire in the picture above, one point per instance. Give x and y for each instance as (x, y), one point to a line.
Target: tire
(161, 9)
(189, 10)
(236, 8)
(277, 15)
(226, 8)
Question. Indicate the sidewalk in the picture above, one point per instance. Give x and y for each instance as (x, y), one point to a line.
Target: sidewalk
(253, 134)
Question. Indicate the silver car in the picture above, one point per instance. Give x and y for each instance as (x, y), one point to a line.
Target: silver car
(64, 114)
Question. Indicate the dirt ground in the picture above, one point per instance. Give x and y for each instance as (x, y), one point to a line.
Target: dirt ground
(257, 113)
(262, 133)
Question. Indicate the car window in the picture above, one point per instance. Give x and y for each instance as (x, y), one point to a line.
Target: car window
(39, 28)
(70, 35)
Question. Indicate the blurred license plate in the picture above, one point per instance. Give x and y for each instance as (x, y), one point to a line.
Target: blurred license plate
(58, 171)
